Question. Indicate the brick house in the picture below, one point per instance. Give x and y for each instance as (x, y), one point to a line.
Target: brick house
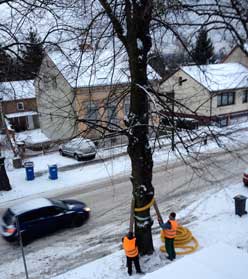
(81, 85)
(18, 105)
(210, 93)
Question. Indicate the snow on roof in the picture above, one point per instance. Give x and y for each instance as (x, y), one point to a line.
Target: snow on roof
(30, 205)
(21, 114)
(15, 90)
(216, 77)
(90, 68)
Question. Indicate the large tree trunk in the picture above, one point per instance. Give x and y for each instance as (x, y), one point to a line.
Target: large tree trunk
(139, 44)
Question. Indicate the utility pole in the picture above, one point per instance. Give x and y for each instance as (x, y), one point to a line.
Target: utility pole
(180, 82)
(173, 120)
(21, 244)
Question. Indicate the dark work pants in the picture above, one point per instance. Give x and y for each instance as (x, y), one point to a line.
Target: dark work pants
(169, 246)
(136, 263)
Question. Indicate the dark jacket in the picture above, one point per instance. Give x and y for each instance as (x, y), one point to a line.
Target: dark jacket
(165, 226)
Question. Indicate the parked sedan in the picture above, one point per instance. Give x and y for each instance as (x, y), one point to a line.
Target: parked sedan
(79, 148)
(39, 217)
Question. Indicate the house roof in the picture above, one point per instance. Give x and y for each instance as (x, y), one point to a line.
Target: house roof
(219, 77)
(15, 90)
(89, 68)
(21, 114)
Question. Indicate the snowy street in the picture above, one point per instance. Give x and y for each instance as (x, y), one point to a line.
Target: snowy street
(176, 187)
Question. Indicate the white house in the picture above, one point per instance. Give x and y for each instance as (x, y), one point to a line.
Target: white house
(209, 93)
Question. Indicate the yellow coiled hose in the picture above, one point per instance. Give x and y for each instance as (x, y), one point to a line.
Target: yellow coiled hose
(182, 240)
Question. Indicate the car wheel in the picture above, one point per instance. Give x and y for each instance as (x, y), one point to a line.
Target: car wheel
(76, 157)
(93, 157)
(89, 158)
(61, 152)
(77, 221)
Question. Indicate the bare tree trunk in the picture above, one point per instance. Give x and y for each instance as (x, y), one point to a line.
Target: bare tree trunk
(138, 46)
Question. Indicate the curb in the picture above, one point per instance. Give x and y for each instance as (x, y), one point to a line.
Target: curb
(85, 163)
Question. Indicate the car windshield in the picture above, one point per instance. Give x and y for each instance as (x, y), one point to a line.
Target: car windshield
(9, 217)
(59, 203)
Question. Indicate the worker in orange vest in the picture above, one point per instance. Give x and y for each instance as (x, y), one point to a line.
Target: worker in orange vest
(169, 230)
(132, 252)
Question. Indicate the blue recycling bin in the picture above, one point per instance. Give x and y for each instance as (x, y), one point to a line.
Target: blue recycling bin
(53, 172)
(29, 167)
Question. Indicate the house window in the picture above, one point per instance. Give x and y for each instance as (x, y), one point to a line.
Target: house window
(170, 96)
(126, 109)
(126, 106)
(92, 111)
(112, 115)
(54, 82)
(46, 81)
(226, 99)
(20, 106)
(245, 97)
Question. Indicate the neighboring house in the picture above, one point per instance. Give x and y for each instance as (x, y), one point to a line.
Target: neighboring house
(18, 105)
(210, 93)
(78, 87)
(237, 55)
(55, 101)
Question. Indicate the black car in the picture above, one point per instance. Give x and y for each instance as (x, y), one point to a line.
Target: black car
(42, 216)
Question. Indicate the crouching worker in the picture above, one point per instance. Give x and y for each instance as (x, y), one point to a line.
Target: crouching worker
(169, 230)
(132, 253)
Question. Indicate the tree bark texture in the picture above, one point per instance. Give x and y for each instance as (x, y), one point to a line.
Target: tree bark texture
(138, 45)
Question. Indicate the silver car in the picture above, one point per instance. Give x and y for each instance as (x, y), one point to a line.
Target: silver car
(79, 148)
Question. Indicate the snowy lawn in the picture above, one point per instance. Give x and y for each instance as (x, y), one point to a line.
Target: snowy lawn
(213, 214)
(223, 251)
(85, 174)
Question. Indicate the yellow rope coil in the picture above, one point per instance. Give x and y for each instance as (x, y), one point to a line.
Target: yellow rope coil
(139, 209)
(183, 237)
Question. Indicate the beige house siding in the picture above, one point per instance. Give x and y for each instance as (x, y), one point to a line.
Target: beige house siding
(55, 102)
(238, 105)
(103, 97)
(199, 100)
(237, 55)
(193, 96)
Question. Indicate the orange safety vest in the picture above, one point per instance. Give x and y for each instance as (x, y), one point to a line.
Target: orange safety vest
(171, 233)
(130, 248)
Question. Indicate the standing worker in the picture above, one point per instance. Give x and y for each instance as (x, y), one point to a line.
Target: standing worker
(132, 252)
(169, 230)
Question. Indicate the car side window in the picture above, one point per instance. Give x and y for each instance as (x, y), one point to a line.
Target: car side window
(30, 216)
(51, 211)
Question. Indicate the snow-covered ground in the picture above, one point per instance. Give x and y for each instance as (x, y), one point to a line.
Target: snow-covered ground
(223, 251)
(85, 173)
(213, 219)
